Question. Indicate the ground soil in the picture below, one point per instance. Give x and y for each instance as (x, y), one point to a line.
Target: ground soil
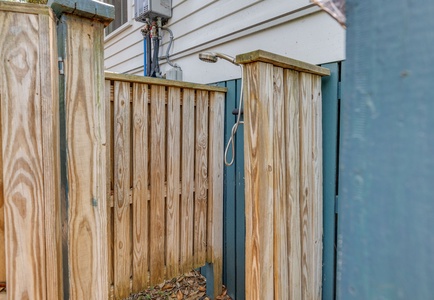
(189, 286)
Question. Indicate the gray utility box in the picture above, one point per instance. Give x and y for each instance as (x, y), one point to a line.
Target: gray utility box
(152, 9)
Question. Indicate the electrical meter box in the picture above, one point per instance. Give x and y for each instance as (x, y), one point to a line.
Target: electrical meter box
(152, 9)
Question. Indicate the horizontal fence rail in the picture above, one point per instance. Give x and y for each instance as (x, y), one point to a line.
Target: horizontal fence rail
(164, 166)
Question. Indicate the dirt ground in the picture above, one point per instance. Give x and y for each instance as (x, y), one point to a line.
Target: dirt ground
(189, 286)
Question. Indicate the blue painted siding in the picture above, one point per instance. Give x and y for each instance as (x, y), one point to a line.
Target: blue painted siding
(386, 191)
(330, 117)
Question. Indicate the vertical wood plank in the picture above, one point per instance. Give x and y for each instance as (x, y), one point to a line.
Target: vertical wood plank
(201, 178)
(259, 180)
(306, 185)
(109, 121)
(140, 186)
(22, 156)
(51, 153)
(317, 185)
(158, 166)
(292, 131)
(187, 176)
(2, 216)
(215, 199)
(86, 161)
(173, 181)
(280, 233)
(122, 242)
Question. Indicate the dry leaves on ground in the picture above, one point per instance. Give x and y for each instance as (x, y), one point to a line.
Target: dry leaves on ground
(189, 286)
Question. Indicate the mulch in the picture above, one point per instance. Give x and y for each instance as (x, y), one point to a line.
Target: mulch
(189, 286)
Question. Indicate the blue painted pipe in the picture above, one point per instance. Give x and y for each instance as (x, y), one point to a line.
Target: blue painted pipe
(144, 57)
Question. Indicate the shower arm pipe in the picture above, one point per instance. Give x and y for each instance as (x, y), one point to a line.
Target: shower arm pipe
(226, 57)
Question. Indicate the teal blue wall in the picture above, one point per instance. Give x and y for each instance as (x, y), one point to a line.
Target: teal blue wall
(386, 182)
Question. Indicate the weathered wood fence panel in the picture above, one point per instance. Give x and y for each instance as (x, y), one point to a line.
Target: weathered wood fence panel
(171, 136)
(30, 161)
(283, 169)
(136, 194)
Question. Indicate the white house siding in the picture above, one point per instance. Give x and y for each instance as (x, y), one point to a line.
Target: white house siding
(294, 28)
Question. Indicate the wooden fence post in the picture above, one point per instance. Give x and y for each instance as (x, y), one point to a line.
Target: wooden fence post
(283, 173)
(30, 152)
(83, 111)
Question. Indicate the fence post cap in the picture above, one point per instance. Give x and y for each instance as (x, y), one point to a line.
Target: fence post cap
(91, 9)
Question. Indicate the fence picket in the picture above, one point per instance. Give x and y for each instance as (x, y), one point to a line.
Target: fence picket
(201, 178)
(187, 176)
(140, 186)
(158, 167)
(279, 187)
(292, 131)
(173, 180)
(122, 227)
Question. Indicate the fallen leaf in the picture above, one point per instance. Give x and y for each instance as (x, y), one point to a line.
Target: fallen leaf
(179, 295)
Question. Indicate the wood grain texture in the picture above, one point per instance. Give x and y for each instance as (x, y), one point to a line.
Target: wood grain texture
(86, 161)
(306, 185)
(317, 186)
(163, 142)
(22, 157)
(292, 132)
(2, 218)
(109, 176)
(51, 153)
(158, 168)
(280, 233)
(173, 181)
(30, 157)
(280, 61)
(187, 177)
(140, 186)
(215, 193)
(201, 178)
(162, 82)
(122, 225)
(259, 180)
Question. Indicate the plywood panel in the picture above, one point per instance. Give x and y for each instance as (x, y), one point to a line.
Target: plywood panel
(292, 138)
(140, 186)
(158, 167)
(201, 178)
(122, 225)
(259, 180)
(187, 177)
(173, 225)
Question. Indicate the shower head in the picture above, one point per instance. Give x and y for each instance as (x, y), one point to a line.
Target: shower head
(211, 57)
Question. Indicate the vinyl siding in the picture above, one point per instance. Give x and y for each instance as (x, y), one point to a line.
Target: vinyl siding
(297, 29)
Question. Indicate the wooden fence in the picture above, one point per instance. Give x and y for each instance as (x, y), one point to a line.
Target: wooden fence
(283, 173)
(164, 179)
(124, 189)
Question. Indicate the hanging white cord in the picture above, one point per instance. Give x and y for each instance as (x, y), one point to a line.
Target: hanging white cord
(231, 141)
